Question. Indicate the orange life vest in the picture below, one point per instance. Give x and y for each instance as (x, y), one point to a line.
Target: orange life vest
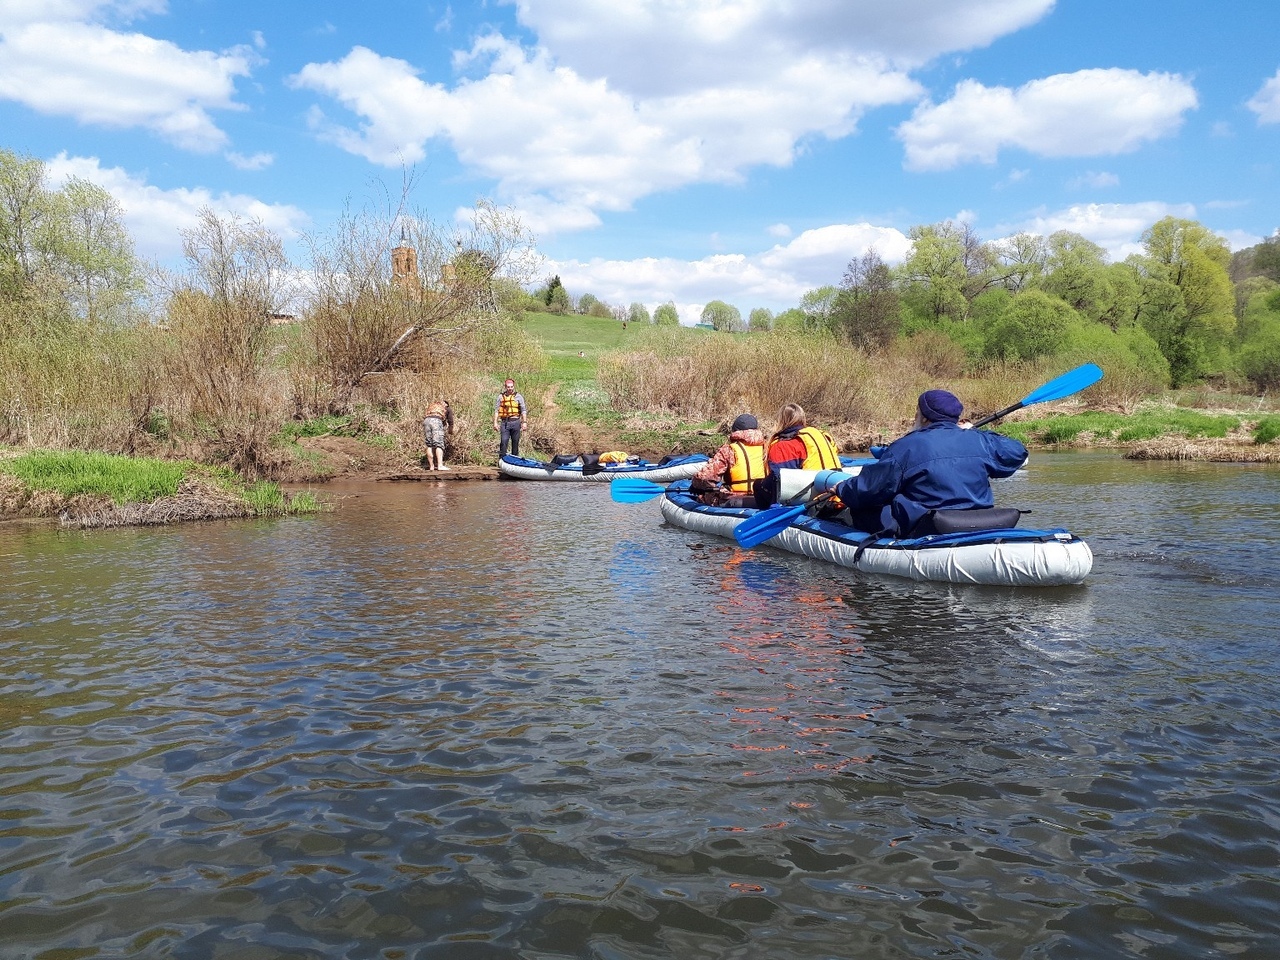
(748, 467)
(508, 407)
(820, 451)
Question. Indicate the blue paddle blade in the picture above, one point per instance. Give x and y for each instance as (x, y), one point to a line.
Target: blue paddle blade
(766, 524)
(1073, 381)
(633, 490)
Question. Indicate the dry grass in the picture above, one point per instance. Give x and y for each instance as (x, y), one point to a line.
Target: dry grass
(1214, 451)
(860, 399)
(196, 499)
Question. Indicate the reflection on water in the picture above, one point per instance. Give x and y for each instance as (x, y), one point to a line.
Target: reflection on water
(519, 720)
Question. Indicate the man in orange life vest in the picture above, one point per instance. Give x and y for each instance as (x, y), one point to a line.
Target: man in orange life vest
(509, 418)
(728, 476)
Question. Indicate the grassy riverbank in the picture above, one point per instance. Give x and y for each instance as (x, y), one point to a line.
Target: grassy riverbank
(590, 385)
(85, 489)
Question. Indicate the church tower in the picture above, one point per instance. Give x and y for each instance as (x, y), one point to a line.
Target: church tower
(404, 266)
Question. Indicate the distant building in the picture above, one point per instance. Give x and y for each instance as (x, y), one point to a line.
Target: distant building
(404, 267)
(404, 273)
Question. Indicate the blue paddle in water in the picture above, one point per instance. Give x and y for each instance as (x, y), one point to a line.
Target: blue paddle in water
(769, 523)
(633, 490)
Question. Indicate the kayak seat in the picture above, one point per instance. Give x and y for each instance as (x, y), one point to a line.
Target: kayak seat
(968, 521)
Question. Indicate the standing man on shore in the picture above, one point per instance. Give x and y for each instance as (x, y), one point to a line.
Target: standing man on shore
(509, 418)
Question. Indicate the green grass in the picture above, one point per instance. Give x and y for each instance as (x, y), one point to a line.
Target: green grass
(1122, 428)
(1267, 429)
(141, 479)
(73, 472)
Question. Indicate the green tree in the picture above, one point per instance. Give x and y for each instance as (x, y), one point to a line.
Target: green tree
(1023, 257)
(1188, 302)
(819, 306)
(760, 319)
(932, 278)
(26, 209)
(95, 251)
(1266, 258)
(792, 320)
(558, 301)
(555, 296)
(666, 315)
(722, 316)
(1075, 270)
(867, 309)
(64, 253)
(1034, 325)
(586, 302)
(638, 313)
(950, 267)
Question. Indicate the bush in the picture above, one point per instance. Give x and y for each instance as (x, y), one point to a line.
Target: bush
(1259, 358)
(1034, 325)
(1134, 366)
(712, 377)
(1266, 430)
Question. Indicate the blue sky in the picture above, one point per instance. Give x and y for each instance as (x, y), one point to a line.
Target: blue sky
(741, 150)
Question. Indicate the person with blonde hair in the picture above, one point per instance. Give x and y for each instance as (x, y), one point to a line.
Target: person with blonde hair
(794, 445)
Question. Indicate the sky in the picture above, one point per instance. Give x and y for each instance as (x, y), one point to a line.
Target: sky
(662, 150)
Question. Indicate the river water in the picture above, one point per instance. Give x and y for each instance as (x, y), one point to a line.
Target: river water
(518, 720)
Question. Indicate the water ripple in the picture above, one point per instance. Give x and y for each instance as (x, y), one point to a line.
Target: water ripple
(511, 721)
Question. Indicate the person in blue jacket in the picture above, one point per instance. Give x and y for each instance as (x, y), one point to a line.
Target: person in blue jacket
(940, 465)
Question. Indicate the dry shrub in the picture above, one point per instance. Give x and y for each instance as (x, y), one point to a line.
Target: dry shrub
(720, 377)
(935, 355)
(392, 405)
(221, 390)
(74, 385)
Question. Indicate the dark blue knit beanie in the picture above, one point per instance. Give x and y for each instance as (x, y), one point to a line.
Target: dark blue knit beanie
(940, 406)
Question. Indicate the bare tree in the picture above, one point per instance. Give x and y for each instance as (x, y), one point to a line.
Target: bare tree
(383, 279)
(867, 309)
(238, 277)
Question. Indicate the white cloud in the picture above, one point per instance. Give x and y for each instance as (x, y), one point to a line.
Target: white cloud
(776, 278)
(779, 230)
(1240, 239)
(55, 61)
(1117, 227)
(549, 137)
(1094, 180)
(258, 161)
(154, 216)
(611, 104)
(1088, 113)
(1266, 102)
(659, 48)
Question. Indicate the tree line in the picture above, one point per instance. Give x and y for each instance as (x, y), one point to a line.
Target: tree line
(1183, 311)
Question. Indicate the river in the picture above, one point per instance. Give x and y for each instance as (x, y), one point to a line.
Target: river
(518, 720)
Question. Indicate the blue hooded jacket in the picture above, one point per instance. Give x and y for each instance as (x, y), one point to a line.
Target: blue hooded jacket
(940, 467)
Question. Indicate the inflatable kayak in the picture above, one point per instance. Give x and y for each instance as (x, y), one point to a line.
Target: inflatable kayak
(664, 471)
(1015, 557)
